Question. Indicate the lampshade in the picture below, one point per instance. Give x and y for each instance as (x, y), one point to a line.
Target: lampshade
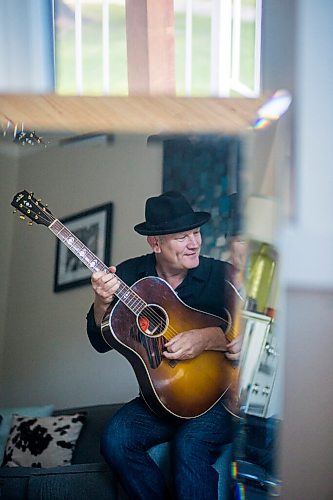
(261, 219)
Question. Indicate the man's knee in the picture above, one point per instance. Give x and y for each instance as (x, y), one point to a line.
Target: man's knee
(188, 449)
(114, 440)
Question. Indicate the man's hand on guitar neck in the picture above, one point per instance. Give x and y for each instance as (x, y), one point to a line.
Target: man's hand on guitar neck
(189, 344)
(105, 286)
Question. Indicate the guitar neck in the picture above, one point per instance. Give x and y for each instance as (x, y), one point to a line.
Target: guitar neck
(92, 262)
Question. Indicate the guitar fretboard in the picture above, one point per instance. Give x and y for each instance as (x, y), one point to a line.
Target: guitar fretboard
(92, 262)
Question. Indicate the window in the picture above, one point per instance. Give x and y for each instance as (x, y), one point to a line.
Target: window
(217, 47)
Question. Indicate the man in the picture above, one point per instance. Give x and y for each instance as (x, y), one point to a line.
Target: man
(173, 233)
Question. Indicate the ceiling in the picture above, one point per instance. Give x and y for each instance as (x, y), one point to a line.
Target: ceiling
(128, 114)
(56, 118)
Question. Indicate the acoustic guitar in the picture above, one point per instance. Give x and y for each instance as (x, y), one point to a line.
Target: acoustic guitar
(146, 316)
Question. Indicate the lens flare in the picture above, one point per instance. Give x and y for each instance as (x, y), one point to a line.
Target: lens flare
(272, 110)
(276, 106)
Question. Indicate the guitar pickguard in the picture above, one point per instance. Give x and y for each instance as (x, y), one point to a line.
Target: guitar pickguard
(153, 345)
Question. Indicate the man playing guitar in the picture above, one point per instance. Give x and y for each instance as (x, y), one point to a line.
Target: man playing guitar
(203, 284)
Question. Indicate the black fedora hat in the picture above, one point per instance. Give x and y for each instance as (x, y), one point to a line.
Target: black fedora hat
(170, 213)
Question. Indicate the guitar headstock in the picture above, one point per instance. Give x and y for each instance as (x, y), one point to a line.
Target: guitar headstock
(32, 208)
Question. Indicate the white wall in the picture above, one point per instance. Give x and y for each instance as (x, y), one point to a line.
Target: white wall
(311, 227)
(26, 40)
(8, 176)
(306, 241)
(47, 356)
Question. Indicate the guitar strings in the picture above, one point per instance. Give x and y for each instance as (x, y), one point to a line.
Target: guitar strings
(136, 299)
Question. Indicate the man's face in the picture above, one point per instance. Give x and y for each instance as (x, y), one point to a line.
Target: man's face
(238, 251)
(180, 250)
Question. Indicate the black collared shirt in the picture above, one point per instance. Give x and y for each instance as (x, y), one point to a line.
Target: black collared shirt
(207, 287)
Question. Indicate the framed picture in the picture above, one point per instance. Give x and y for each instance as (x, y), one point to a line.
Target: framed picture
(93, 228)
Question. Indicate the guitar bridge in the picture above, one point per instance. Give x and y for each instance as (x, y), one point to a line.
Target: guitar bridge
(172, 362)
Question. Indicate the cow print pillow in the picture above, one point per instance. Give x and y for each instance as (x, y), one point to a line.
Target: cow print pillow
(42, 441)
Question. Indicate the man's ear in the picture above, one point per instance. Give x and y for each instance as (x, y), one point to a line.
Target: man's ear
(154, 243)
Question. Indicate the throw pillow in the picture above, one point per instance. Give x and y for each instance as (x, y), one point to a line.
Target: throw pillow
(42, 442)
(7, 415)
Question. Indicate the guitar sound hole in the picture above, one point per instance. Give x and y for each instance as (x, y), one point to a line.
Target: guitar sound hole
(152, 321)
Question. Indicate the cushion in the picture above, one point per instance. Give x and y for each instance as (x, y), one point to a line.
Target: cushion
(7, 415)
(42, 441)
(87, 450)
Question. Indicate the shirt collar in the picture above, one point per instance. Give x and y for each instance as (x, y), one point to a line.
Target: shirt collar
(199, 273)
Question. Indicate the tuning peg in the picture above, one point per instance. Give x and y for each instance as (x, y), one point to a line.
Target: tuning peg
(30, 223)
(14, 211)
(22, 217)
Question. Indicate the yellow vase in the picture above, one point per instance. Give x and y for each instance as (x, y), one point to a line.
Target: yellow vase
(260, 277)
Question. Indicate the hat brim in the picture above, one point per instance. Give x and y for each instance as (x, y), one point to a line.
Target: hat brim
(185, 223)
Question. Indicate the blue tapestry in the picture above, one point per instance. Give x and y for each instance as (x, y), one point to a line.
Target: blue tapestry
(207, 170)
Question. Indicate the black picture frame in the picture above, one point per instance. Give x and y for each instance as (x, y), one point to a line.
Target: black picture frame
(93, 227)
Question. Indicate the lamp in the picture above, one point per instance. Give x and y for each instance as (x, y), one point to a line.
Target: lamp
(261, 219)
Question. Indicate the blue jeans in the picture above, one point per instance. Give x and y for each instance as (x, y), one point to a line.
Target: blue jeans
(195, 446)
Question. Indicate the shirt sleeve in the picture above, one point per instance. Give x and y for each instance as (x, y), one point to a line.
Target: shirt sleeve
(94, 333)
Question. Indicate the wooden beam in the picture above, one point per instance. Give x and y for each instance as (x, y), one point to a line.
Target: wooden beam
(146, 115)
(150, 47)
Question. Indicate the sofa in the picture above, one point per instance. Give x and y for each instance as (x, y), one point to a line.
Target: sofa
(88, 477)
